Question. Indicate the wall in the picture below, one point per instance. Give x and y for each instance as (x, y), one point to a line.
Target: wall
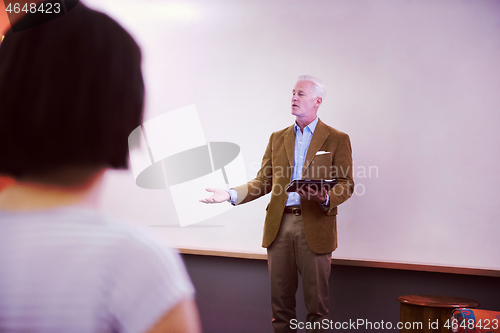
(414, 84)
(233, 295)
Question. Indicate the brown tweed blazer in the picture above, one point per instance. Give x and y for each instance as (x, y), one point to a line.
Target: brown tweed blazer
(276, 171)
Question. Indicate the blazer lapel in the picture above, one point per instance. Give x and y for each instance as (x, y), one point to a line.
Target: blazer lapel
(290, 144)
(319, 137)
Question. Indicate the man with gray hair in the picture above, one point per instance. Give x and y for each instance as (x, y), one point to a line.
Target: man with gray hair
(300, 230)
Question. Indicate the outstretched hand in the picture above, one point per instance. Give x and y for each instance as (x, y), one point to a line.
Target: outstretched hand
(219, 195)
(310, 193)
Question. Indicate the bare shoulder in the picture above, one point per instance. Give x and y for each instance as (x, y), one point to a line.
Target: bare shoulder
(182, 318)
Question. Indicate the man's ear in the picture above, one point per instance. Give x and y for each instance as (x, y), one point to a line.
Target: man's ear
(319, 100)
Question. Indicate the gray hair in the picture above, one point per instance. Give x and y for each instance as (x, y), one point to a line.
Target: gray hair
(318, 89)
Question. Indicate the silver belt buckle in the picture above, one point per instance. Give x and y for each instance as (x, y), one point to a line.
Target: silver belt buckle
(296, 211)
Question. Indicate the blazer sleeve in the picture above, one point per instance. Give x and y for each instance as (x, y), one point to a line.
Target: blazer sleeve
(342, 171)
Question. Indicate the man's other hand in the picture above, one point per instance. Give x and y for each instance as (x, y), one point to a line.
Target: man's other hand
(310, 193)
(219, 195)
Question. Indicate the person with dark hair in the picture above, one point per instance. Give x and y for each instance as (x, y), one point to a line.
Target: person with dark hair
(71, 91)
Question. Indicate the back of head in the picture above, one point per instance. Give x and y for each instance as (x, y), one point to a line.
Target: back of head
(71, 91)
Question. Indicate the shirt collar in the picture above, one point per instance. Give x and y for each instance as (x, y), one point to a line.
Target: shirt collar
(311, 126)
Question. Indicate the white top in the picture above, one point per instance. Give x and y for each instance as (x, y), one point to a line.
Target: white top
(73, 270)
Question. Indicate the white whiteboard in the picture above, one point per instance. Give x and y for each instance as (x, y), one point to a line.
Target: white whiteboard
(416, 85)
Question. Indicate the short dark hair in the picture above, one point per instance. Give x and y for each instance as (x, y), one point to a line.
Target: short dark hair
(71, 91)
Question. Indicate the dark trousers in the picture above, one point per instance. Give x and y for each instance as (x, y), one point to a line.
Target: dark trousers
(288, 254)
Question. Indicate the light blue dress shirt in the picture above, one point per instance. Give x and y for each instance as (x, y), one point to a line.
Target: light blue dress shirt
(302, 141)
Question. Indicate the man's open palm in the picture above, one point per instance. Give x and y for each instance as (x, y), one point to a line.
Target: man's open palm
(219, 195)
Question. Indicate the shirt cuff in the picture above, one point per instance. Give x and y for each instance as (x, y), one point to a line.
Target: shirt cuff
(234, 196)
(326, 205)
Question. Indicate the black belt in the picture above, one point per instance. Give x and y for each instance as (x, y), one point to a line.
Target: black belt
(293, 210)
